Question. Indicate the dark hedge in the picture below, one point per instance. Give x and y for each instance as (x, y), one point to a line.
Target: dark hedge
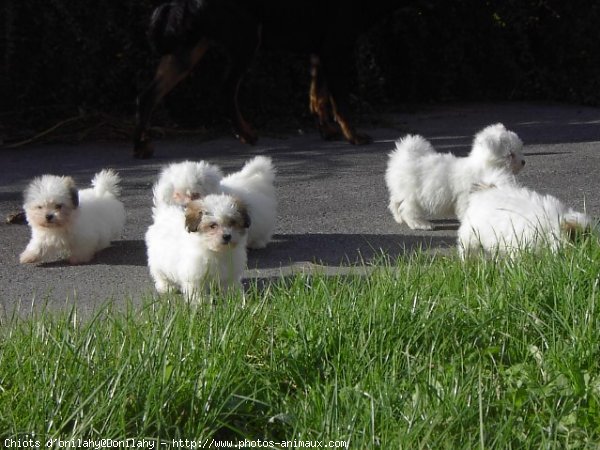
(64, 56)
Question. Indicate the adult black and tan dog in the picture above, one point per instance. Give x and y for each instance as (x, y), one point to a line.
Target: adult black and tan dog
(183, 30)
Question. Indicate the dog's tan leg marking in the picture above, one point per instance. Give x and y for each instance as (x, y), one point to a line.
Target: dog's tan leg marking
(348, 130)
(319, 103)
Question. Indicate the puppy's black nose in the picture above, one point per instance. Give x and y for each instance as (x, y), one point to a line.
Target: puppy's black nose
(49, 217)
(226, 238)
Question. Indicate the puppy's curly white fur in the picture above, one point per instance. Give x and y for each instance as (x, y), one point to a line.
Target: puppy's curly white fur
(199, 247)
(424, 183)
(66, 223)
(254, 185)
(180, 183)
(505, 219)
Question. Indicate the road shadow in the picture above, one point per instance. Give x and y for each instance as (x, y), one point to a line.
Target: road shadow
(338, 249)
(124, 253)
(120, 253)
(334, 249)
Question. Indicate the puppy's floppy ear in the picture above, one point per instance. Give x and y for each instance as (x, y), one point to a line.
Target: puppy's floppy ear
(193, 215)
(246, 217)
(244, 213)
(73, 192)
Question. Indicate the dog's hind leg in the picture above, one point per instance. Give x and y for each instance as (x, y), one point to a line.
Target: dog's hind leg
(394, 207)
(241, 128)
(242, 47)
(337, 68)
(320, 105)
(172, 68)
(413, 215)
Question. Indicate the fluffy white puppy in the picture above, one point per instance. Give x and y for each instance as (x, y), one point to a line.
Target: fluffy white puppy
(254, 185)
(505, 219)
(183, 182)
(180, 183)
(200, 247)
(424, 183)
(69, 224)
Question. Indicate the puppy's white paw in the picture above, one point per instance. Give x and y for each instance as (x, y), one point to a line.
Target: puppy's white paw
(162, 286)
(257, 244)
(394, 208)
(80, 258)
(29, 257)
(418, 224)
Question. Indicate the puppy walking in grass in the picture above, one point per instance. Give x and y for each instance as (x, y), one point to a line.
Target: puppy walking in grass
(423, 183)
(72, 224)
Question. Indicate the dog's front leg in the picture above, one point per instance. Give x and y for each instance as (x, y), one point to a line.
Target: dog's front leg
(336, 67)
(31, 254)
(172, 68)
(319, 101)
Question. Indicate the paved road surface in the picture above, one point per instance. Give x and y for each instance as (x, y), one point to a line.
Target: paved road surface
(332, 196)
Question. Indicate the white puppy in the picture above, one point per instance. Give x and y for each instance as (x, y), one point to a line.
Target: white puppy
(69, 224)
(204, 245)
(180, 183)
(505, 219)
(422, 182)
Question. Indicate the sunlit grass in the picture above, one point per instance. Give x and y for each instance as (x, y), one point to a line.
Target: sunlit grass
(428, 352)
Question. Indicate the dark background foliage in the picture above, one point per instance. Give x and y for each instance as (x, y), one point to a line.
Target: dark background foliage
(60, 58)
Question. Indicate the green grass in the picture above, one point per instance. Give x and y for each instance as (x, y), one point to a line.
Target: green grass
(427, 352)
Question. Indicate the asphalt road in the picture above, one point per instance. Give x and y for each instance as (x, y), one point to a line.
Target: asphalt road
(332, 196)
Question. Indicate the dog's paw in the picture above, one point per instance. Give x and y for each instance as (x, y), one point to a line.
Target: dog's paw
(360, 139)
(247, 136)
(80, 258)
(143, 150)
(162, 286)
(257, 244)
(419, 224)
(29, 257)
(329, 131)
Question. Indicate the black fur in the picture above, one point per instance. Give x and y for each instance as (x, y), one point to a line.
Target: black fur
(74, 197)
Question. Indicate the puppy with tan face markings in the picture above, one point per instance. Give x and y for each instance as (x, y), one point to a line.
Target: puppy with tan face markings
(179, 183)
(198, 248)
(71, 224)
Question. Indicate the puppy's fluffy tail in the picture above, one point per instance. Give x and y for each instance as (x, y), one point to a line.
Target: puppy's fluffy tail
(414, 145)
(260, 166)
(106, 182)
(258, 174)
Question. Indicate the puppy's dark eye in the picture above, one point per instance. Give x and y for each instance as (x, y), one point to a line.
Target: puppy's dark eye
(58, 207)
(213, 226)
(39, 206)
